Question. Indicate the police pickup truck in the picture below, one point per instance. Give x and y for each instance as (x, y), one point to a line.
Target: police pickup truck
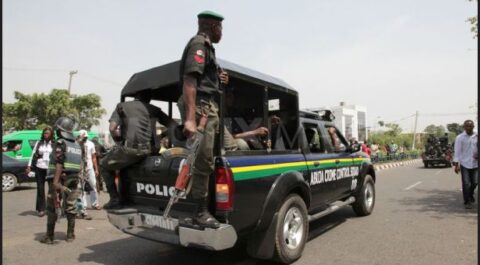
(264, 195)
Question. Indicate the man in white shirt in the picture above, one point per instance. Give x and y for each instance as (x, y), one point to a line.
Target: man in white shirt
(466, 161)
(91, 171)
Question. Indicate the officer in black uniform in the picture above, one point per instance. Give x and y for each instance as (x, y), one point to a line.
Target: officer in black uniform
(132, 126)
(63, 176)
(200, 78)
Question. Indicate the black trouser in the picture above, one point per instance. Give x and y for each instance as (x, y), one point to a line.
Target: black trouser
(469, 183)
(119, 158)
(40, 175)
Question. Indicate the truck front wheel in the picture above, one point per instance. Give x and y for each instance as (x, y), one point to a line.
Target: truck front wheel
(292, 229)
(365, 199)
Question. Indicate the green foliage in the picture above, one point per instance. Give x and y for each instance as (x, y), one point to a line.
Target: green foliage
(384, 138)
(435, 130)
(395, 129)
(39, 110)
(473, 24)
(455, 128)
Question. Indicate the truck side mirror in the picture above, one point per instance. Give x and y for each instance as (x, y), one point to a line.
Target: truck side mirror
(354, 148)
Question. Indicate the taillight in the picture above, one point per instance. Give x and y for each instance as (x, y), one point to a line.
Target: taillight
(224, 189)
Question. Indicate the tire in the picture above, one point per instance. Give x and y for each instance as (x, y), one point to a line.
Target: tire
(425, 164)
(9, 181)
(365, 199)
(292, 230)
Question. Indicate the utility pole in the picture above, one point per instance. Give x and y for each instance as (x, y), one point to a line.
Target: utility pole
(415, 130)
(71, 73)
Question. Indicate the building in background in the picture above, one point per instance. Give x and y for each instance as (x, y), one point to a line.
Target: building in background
(350, 119)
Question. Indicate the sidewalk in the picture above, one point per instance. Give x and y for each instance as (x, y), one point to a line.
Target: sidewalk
(387, 165)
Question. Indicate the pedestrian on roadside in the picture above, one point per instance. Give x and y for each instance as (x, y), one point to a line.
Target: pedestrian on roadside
(365, 148)
(39, 163)
(100, 151)
(90, 170)
(466, 162)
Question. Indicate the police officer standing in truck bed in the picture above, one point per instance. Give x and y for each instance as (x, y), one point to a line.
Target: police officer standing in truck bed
(200, 78)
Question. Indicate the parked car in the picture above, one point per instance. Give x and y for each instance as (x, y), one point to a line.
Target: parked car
(13, 173)
(20, 144)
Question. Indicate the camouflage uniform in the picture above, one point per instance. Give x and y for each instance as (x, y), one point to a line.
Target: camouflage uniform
(68, 154)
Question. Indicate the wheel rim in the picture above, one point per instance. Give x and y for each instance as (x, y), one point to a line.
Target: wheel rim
(293, 228)
(369, 195)
(7, 182)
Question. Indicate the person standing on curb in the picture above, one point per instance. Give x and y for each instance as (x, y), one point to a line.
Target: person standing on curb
(466, 162)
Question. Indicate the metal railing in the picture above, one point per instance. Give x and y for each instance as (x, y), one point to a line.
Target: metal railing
(382, 158)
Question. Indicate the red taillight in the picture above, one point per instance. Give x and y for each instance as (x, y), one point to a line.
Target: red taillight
(224, 189)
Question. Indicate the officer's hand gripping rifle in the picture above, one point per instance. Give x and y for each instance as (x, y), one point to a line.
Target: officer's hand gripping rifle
(186, 167)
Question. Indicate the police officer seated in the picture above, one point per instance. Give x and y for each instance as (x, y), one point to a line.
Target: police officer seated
(133, 127)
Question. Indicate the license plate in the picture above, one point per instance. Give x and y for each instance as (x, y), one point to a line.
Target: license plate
(160, 221)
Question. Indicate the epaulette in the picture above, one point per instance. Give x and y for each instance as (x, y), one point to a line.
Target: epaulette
(202, 37)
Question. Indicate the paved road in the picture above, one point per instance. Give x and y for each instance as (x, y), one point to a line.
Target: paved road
(418, 219)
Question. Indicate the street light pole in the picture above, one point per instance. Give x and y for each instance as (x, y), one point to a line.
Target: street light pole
(415, 130)
(71, 73)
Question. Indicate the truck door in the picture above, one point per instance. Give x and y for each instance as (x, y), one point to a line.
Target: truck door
(320, 165)
(345, 169)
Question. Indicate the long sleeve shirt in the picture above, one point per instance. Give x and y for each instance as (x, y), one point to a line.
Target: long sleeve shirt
(466, 152)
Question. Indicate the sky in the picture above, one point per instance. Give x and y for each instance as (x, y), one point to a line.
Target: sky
(393, 57)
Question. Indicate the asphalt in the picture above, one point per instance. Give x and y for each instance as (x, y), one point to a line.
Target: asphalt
(418, 219)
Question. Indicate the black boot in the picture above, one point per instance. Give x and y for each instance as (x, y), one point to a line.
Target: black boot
(48, 238)
(70, 227)
(203, 217)
(114, 202)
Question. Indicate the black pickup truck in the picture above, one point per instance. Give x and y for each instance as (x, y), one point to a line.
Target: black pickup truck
(265, 195)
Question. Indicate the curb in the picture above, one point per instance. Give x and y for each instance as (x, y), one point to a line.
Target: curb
(396, 164)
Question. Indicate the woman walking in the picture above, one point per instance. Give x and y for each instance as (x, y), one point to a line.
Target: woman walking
(39, 163)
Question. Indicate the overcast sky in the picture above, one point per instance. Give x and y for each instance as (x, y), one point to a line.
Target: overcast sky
(394, 57)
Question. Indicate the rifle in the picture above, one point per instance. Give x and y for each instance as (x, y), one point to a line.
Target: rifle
(186, 167)
(56, 204)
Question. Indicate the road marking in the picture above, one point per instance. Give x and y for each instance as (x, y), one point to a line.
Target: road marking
(438, 172)
(411, 186)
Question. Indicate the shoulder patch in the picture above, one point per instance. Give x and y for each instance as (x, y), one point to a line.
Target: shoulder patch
(199, 56)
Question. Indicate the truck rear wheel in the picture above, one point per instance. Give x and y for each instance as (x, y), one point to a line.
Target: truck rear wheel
(365, 199)
(292, 229)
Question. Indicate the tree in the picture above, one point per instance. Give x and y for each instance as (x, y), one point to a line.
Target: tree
(395, 129)
(473, 24)
(39, 110)
(435, 130)
(455, 128)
